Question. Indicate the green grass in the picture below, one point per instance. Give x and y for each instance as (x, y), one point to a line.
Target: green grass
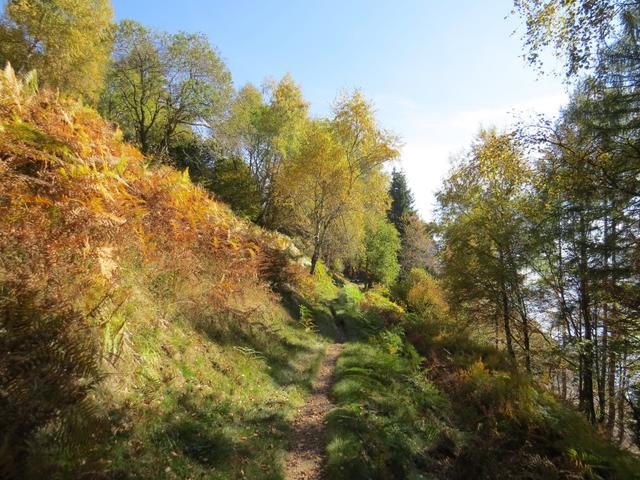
(513, 428)
(324, 285)
(355, 324)
(196, 393)
(221, 413)
(388, 419)
(199, 393)
(470, 416)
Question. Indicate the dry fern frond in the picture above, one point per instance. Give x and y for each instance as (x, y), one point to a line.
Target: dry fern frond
(17, 93)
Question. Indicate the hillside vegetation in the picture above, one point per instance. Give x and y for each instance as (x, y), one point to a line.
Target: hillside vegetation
(144, 337)
(138, 316)
(199, 281)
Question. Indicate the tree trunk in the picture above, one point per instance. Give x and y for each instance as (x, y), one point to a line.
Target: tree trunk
(611, 387)
(603, 375)
(314, 258)
(621, 399)
(506, 314)
(586, 394)
(525, 331)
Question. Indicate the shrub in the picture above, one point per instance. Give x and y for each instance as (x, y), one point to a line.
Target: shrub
(381, 254)
(324, 287)
(423, 295)
(375, 303)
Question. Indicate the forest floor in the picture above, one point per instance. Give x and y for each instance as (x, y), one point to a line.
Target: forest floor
(307, 456)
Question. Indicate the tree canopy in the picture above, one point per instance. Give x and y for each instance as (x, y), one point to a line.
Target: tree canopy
(68, 42)
(161, 87)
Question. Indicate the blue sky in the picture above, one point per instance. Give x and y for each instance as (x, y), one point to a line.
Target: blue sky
(435, 70)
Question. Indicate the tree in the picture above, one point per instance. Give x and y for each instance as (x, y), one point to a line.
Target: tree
(423, 294)
(418, 248)
(232, 182)
(161, 87)
(402, 202)
(314, 187)
(484, 231)
(380, 263)
(368, 147)
(327, 178)
(67, 41)
(634, 404)
(587, 200)
(576, 29)
(265, 129)
(587, 196)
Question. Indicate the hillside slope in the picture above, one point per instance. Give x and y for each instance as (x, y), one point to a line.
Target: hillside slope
(142, 337)
(149, 333)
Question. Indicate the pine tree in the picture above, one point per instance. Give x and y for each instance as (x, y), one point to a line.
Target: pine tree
(402, 202)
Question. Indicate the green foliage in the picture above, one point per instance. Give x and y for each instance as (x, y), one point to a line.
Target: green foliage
(388, 417)
(265, 129)
(513, 425)
(160, 86)
(380, 262)
(324, 286)
(232, 182)
(207, 394)
(50, 364)
(423, 294)
(575, 30)
(66, 41)
(402, 202)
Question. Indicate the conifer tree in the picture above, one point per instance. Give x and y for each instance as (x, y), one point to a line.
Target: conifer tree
(402, 201)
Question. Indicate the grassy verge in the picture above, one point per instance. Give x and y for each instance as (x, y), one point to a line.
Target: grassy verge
(195, 393)
(389, 422)
(213, 410)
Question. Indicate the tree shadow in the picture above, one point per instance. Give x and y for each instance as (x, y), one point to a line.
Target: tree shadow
(290, 357)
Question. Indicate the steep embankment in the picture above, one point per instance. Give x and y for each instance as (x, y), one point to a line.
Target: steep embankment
(141, 335)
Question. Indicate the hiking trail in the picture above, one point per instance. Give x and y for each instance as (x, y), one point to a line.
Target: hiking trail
(307, 457)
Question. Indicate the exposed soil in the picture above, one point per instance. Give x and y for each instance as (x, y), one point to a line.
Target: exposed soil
(306, 457)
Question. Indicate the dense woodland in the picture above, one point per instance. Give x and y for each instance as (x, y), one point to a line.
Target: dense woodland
(176, 253)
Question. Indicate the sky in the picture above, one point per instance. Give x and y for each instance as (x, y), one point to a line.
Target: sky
(435, 71)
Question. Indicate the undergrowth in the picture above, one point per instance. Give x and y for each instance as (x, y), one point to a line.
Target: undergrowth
(147, 332)
(418, 397)
(513, 427)
(390, 420)
(143, 333)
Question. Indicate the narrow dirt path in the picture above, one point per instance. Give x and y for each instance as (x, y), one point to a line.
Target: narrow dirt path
(306, 457)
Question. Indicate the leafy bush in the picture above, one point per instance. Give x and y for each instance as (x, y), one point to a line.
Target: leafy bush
(513, 426)
(376, 304)
(325, 288)
(233, 183)
(382, 245)
(423, 294)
